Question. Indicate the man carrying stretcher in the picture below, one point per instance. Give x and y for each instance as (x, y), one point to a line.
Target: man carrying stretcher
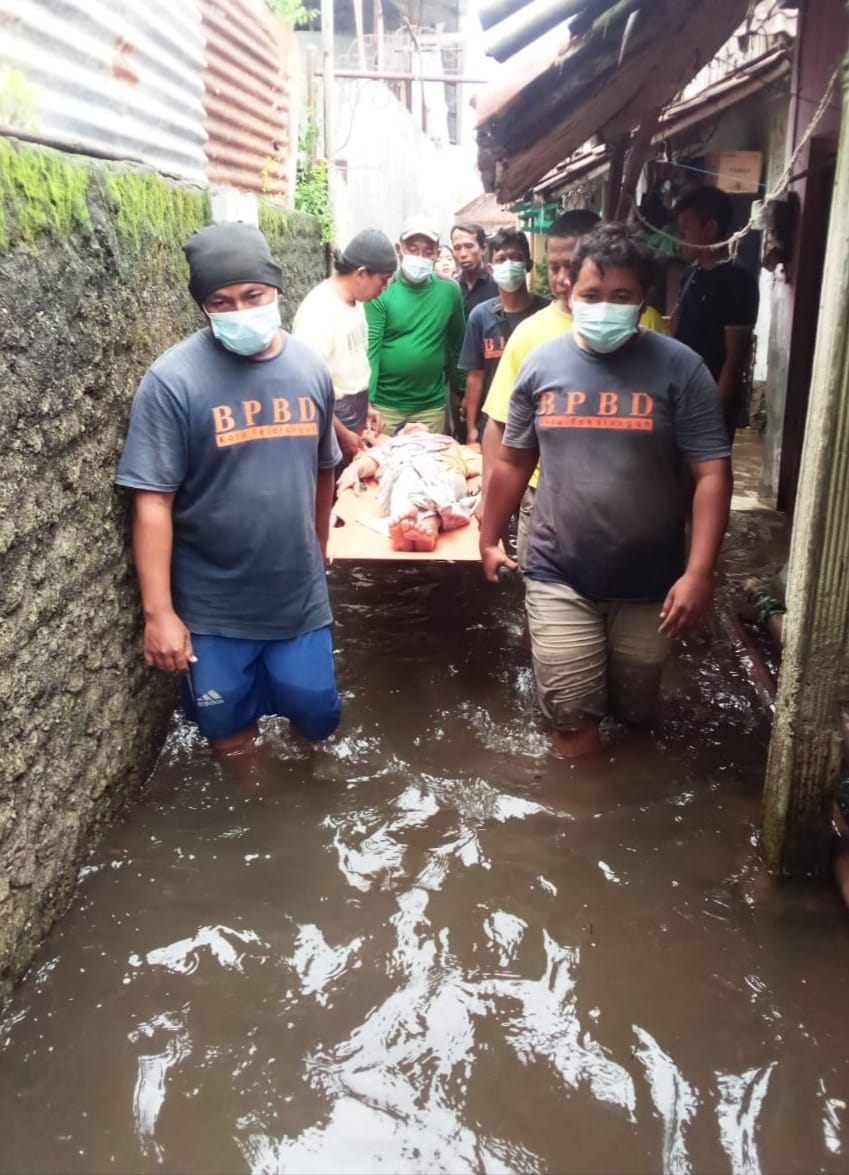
(426, 483)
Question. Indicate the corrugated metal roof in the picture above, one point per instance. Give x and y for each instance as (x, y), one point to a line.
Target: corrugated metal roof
(590, 162)
(603, 82)
(246, 97)
(121, 79)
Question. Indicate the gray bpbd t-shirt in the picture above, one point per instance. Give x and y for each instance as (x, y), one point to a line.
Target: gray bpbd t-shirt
(240, 442)
(615, 434)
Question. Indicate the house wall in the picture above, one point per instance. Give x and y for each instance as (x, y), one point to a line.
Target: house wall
(388, 168)
(821, 42)
(758, 124)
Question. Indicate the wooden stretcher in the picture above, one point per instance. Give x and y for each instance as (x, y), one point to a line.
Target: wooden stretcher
(364, 534)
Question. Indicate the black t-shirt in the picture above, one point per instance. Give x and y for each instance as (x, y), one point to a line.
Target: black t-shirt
(483, 289)
(711, 300)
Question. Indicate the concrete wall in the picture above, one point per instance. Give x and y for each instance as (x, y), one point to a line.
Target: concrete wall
(93, 289)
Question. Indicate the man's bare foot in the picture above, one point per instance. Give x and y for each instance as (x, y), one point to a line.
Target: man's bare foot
(399, 530)
(574, 744)
(242, 743)
(453, 518)
(413, 532)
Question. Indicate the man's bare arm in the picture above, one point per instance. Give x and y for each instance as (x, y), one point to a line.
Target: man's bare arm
(493, 435)
(324, 493)
(689, 599)
(167, 641)
(347, 439)
(738, 341)
(508, 480)
(472, 404)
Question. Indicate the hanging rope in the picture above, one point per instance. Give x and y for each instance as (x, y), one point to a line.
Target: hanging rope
(778, 189)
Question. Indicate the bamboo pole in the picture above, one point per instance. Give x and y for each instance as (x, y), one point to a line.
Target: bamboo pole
(804, 752)
(614, 178)
(640, 145)
(328, 57)
(361, 41)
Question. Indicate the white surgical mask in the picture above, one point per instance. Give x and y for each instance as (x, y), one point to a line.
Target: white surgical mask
(247, 332)
(510, 275)
(605, 326)
(416, 269)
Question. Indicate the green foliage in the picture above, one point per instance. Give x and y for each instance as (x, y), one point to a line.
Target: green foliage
(17, 101)
(42, 193)
(312, 192)
(149, 210)
(539, 279)
(294, 12)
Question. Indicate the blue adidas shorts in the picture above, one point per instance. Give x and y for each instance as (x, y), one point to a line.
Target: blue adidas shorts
(234, 682)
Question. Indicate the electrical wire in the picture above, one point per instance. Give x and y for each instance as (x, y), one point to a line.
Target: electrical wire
(778, 189)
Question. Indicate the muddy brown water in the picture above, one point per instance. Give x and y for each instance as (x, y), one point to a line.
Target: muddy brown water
(429, 946)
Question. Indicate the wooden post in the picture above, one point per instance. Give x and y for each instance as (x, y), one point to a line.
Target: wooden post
(328, 55)
(640, 145)
(804, 752)
(361, 40)
(379, 34)
(614, 180)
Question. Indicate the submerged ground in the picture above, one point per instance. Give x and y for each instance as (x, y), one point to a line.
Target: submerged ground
(430, 946)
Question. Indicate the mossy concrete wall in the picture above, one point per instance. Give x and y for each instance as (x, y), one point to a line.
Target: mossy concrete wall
(92, 288)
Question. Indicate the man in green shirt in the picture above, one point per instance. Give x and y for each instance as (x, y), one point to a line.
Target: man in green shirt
(416, 330)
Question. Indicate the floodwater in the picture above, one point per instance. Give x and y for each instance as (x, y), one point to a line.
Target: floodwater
(429, 946)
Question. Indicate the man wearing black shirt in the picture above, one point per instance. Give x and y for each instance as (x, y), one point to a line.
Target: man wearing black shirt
(718, 305)
(468, 242)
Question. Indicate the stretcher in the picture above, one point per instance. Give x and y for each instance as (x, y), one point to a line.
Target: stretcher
(359, 531)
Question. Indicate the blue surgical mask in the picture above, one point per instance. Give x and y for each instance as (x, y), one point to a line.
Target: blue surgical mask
(247, 332)
(416, 269)
(605, 326)
(510, 275)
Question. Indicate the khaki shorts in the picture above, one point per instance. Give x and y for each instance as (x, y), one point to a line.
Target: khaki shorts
(393, 420)
(593, 657)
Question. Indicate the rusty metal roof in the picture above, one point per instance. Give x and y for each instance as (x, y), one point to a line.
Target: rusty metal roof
(246, 94)
(690, 111)
(629, 61)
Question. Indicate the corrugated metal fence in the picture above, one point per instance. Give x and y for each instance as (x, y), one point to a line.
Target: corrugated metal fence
(197, 89)
(246, 98)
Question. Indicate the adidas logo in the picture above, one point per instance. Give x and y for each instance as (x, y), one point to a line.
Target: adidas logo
(211, 698)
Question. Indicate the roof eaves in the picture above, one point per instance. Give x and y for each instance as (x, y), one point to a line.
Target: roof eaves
(588, 90)
(585, 164)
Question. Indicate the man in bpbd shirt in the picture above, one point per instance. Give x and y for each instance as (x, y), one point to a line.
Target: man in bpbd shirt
(718, 304)
(492, 323)
(610, 410)
(230, 456)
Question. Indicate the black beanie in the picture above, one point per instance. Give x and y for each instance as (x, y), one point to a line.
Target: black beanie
(373, 249)
(225, 254)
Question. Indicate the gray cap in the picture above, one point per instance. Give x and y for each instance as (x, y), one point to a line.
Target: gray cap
(373, 249)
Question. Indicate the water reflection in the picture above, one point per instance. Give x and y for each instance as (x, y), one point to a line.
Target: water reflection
(427, 946)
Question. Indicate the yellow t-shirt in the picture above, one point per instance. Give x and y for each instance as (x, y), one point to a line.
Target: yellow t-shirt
(542, 327)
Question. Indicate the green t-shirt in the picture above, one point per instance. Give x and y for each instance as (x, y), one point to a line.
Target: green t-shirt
(415, 334)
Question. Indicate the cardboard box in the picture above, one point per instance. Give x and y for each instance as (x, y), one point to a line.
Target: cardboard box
(735, 172)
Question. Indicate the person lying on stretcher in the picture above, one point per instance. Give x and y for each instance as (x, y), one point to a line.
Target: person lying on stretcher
(426, 482)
